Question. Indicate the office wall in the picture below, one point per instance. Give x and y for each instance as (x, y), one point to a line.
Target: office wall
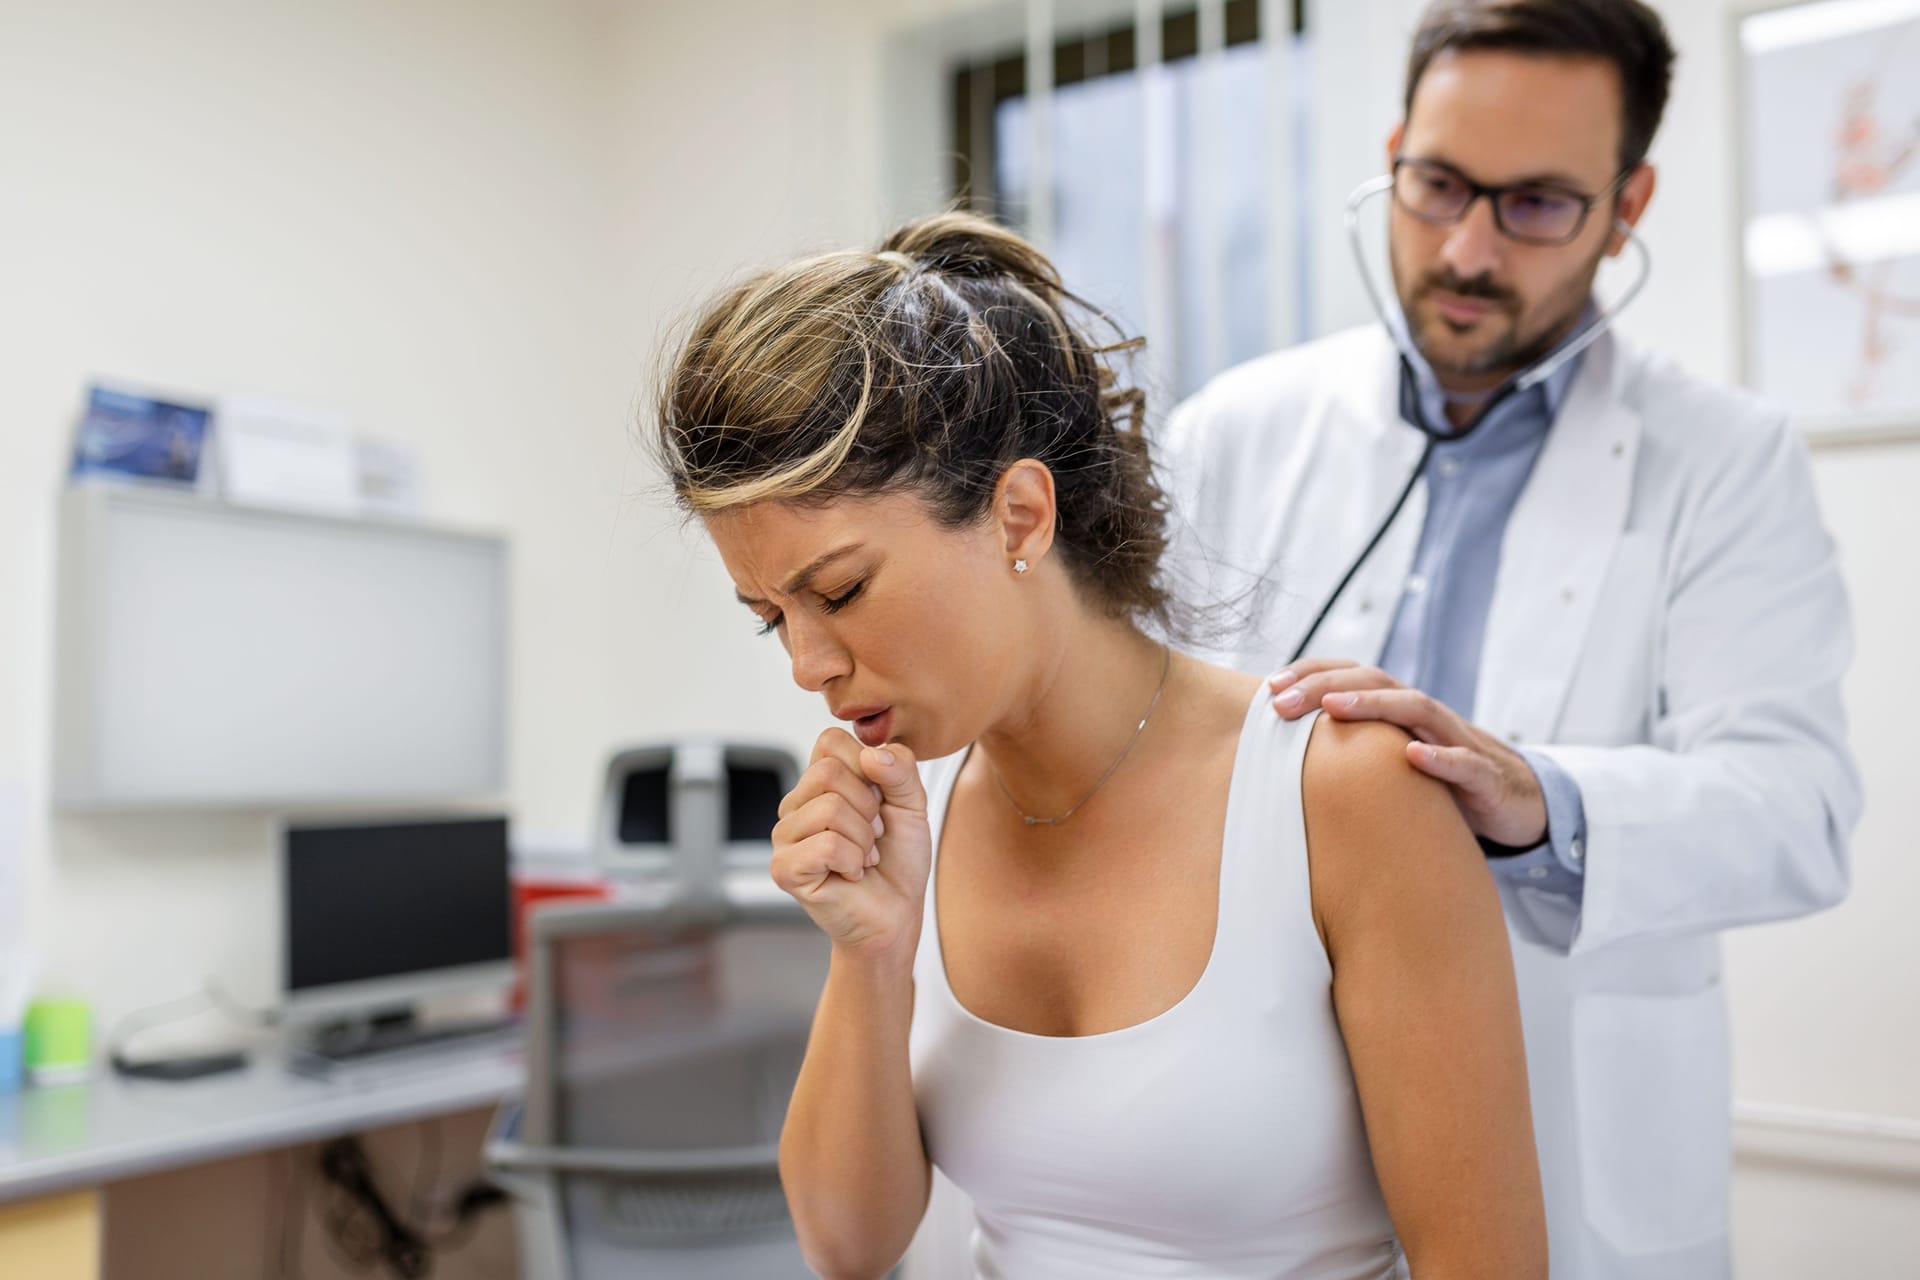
(465, 224)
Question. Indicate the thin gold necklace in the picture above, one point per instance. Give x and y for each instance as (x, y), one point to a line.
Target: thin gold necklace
(1166, 665)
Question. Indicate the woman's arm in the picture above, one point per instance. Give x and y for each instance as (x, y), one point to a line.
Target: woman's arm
(856, 1175)
(1424, 991)
(851, 1160)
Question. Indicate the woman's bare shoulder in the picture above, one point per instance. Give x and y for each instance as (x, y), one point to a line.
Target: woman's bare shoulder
(1361, 765)
(1379, 832)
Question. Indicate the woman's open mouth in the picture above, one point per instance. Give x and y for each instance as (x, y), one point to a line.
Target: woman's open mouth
(872, 725)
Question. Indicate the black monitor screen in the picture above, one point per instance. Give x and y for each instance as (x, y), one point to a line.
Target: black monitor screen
(753, 802)
(646, 813)
(371, 902)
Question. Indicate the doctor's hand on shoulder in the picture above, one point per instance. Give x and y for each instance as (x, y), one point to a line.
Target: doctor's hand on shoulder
(852, 845)
(1495, 787)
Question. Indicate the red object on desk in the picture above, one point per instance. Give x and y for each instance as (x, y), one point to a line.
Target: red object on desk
(528, 892)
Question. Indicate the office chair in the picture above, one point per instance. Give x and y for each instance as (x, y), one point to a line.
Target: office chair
(662, 1046)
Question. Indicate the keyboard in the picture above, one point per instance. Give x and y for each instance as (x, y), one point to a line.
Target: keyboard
(374, 1044)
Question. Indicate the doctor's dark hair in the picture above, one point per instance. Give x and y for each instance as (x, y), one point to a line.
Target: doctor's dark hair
(1626, 33)
(929, 365)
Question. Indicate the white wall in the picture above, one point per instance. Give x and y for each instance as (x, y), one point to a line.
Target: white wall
(464, 223)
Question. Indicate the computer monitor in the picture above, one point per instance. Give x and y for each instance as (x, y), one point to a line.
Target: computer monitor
(376, 917)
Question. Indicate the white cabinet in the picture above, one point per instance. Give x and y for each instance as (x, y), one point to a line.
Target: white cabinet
(212, 655)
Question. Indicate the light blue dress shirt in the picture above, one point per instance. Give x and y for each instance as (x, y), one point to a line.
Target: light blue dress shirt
(1439, 628)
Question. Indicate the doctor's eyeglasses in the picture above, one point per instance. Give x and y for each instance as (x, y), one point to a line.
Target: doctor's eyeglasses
(1531, 212)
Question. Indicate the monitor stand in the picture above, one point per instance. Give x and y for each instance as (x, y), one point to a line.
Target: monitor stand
(382, 1036)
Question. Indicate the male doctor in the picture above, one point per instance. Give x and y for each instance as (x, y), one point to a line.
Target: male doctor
(1606, 611)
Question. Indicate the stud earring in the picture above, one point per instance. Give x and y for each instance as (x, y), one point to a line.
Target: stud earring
(1019, 566)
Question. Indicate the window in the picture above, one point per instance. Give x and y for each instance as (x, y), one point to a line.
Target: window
(1162, 182)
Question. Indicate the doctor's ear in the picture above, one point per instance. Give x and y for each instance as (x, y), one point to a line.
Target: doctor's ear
(1635, 194)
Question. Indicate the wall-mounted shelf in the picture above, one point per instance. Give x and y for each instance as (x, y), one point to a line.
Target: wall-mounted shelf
(220, 656)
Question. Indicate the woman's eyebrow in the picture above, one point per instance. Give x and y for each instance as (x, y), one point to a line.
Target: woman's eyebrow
(800, 580)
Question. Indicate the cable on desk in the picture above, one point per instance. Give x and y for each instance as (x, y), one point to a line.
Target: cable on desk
(188, 1066)
(239, 1011)
(288, 1232)
(365, 1225)
(426, 1171)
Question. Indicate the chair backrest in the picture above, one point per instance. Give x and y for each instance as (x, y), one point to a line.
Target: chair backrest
(662, 1047)
(665, 1031)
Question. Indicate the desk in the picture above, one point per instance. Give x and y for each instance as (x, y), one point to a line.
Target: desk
(60, 1145)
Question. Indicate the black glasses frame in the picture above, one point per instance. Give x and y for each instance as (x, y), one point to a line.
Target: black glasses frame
(1478, 189)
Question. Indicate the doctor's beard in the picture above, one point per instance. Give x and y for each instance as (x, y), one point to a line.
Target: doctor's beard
(1511, 349)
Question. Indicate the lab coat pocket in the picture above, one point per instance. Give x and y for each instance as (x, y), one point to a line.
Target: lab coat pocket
(1651, 1092)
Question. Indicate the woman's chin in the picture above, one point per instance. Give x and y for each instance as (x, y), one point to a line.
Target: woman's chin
(925, 744)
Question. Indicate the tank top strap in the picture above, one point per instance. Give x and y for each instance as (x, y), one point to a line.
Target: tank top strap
(937, 778)
(1266, 901)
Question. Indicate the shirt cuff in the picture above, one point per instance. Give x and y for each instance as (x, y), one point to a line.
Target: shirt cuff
(1559, 863)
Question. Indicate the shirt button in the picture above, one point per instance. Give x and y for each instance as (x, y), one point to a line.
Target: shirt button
(1449, 467)
(1576, 850)
(1536, 873)
(1416, 584)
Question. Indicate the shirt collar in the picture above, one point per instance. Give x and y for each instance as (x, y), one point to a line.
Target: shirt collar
(1547, 397)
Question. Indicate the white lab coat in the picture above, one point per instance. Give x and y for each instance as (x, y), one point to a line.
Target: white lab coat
(1668, 624)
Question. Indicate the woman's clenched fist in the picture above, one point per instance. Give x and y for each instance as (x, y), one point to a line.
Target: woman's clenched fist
(852, 844)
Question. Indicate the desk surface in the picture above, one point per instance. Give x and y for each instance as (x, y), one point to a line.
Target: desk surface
(106, 1128)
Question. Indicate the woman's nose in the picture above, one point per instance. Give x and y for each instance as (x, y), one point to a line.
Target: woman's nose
(817, 657)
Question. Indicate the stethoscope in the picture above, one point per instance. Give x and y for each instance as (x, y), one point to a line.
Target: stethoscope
(1411, 409)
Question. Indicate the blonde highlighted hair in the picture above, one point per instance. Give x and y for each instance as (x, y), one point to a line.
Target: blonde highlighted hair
(929, 365)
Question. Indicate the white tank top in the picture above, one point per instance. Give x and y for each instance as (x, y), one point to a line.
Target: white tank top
(1220, 1139)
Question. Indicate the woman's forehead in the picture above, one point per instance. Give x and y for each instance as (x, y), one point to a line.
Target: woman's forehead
(767, 544)
(776, 522)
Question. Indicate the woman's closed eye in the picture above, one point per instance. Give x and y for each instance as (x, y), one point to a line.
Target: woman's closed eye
(834, 604)
(828, 604)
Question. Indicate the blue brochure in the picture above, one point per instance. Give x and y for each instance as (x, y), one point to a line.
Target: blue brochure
(132, 435)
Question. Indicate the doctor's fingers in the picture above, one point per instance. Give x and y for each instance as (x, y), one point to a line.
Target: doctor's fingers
(1467, 770)
(1306, 667)
(1316, 690)
(833, 813)
(797, 868)
(832, 776)
(1424, 717)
